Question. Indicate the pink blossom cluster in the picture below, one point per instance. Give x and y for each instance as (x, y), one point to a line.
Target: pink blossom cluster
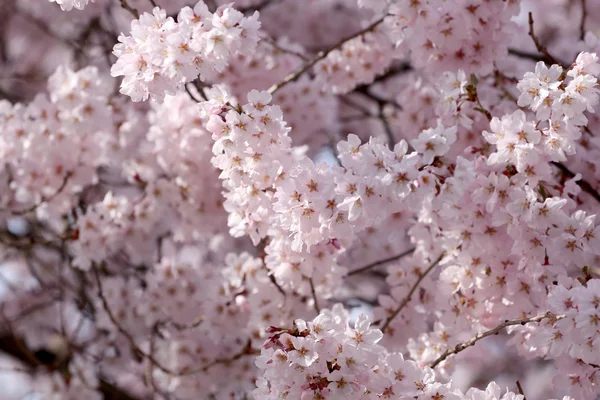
(444, 36)
(370, 199)
(326, 358)
(163, 54)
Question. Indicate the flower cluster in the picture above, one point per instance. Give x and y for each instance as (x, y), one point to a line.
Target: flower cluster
(559, 106)
(326, 358)
(445, 36)
(358, 61)
(379, 199)
(162, 54)
(53, 145)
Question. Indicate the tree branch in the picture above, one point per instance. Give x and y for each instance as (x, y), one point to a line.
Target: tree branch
(582, 23)
(471, 342)
(538, 45)
(521, 392)
(584, 185)
(132, 10)
(408, 297)
(314, 296)
(43, 200)
(380, 262)
(302, 69)
(530, 56)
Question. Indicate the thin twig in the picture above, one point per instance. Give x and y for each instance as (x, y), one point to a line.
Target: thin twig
(359, 107)
(538, 45)
(43, 200)
(132, 10)
(387, 129)
(302, 69)
(278, 48)
(314, 296)
(583, 184)
(412, 291)
(521, 390)
(123, 331)
(380, 262)
(529, 56)
(364, 90)
(30, 357)
(277, 285)
(471, 342)
(582, 23)
(245, 351)
(258, 7)
(194, 324)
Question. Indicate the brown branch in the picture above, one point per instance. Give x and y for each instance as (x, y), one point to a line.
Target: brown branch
(408, 297)
(257, 7)
(582, 23)
(271, 42)
(302, 69)
(132, 10)
(364, 90)
(521, 390)
(380, 262)
(14, 347)
(314, 296)
(245, 351)
(471, 342)
(538, 45)
(530, 56)
(46, 29)
(388, 130)
(583, 184)
(134, 347)
(194, 324)
(43, 200)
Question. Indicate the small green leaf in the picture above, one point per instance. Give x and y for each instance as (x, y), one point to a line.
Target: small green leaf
(474, 80)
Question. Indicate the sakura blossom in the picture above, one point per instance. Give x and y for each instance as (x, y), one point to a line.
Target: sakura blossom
(274, 199)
